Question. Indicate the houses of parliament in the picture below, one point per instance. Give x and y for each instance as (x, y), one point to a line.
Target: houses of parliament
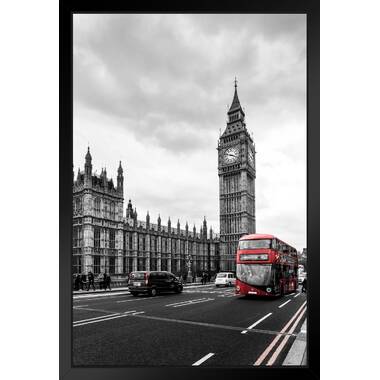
(105, 239)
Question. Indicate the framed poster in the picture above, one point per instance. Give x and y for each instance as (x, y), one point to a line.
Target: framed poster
(189, 190)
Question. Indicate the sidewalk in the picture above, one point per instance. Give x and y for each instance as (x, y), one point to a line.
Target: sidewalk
(123, 289)
(297, 354)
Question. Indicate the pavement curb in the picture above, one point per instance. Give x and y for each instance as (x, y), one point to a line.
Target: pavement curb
(297, 354)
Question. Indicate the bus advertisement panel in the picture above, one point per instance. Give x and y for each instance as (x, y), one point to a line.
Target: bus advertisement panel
(265, 266)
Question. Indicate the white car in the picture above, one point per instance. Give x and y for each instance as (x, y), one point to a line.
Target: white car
(225, 279)
(301, 277)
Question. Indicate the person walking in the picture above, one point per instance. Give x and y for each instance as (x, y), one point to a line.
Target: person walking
(77, 282)
(82, 281)
(108, 281)
(304, 285)
(101, 281)
(105, 281)
(90, 282)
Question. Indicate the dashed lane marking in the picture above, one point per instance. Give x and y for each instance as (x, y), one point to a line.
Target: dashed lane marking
(100, 295)
(135, 299)
(195, 302)
(79, 306)
(211, 325)
(177, 303)
(256, 323)
(91, 319)
(106, 318)
(297, 295)
(284, 304)
(202, 360)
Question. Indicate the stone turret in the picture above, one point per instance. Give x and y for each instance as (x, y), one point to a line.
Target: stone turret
(120, 179)
(147, 221)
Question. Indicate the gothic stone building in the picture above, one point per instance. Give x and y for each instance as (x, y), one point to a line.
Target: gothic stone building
(104, 240)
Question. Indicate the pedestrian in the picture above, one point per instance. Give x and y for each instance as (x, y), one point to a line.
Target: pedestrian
(100, 281)
(90, 281)
(304, 285)
(77, 282)
(108, 282)
(105, 281)
(194, 277)
(203, 280)
(83, 281)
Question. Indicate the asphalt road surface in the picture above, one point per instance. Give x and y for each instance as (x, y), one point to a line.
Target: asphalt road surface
(203, 326)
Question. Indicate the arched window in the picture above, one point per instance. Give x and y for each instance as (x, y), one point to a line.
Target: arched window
(97, 206)
(112, 210)
(78, 205)
(112, 238)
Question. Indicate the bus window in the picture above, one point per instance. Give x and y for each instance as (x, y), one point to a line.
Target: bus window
(254, 244)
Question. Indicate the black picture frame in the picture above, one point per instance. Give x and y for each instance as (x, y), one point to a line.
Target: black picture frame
(67, 9)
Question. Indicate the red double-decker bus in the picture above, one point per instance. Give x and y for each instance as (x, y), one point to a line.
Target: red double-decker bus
(265, 266)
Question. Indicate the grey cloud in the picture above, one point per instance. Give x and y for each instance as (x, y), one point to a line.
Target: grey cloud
(165, 82)
(187, 83)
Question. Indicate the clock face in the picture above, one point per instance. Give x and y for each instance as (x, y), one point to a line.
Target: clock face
(231, 155)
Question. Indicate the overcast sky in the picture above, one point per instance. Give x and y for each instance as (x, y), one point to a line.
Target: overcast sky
(153, 91)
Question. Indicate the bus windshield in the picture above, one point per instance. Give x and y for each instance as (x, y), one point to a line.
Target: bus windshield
(253, 244)
(254, 274)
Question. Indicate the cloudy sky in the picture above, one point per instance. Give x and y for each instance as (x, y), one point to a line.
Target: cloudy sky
(153, 91)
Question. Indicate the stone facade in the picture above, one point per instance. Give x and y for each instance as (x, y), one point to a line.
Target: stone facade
(106, 241)
(237, 174)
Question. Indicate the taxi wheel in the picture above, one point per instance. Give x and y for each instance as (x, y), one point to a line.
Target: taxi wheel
(134, 294)
(153, 292)
(179, 289)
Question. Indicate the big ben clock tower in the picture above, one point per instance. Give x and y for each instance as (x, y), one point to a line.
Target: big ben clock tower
(237, 173)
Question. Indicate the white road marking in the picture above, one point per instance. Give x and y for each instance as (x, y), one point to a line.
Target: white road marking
(135, 299)
(284, 304)
(256, 323)
(91, 319)
(177, 303)
(139, 312)
(126, 314)
(79, 306)
(276, 339)
(194, 302)
(100, 295)
(282, 344)
(200, 361)
(297, 295)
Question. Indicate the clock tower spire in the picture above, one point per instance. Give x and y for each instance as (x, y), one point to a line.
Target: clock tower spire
(237, 174)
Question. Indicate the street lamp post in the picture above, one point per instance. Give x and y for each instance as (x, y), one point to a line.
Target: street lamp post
(189, 273)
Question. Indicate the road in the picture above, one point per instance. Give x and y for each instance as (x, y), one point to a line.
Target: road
(204, 326)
